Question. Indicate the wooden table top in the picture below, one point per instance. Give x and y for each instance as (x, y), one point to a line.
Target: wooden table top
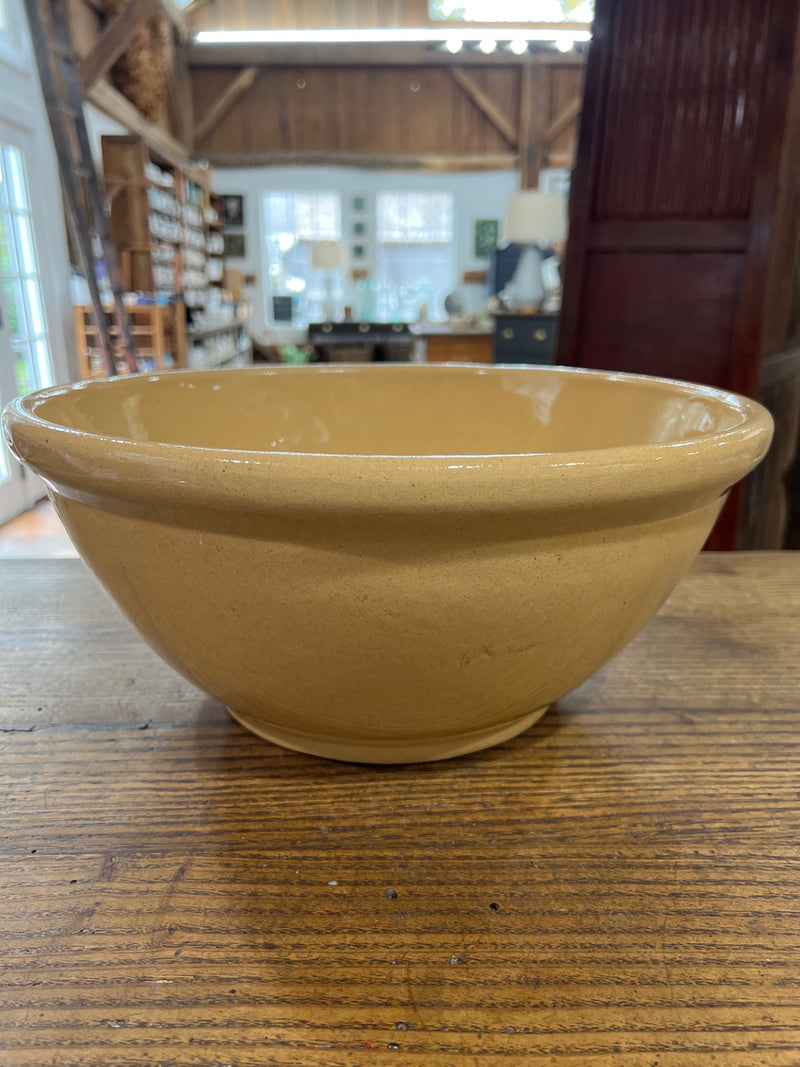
(620, 886)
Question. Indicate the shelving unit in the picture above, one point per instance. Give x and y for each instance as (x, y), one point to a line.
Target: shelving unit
(223, 344)
(157, 329)
(166, 222)
(194, 264)
(145, 216)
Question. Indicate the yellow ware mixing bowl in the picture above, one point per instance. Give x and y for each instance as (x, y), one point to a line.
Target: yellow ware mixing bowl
(388, 562)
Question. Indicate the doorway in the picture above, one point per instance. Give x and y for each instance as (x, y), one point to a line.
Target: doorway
(34, 279)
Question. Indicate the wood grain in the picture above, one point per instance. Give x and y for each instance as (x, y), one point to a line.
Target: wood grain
(619, 886)
(687, 165)
(237, 87)
(304, 111)
(117, 35)
(486, 105)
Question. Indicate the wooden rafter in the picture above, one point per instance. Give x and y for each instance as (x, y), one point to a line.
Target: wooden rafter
(177, 17)
(485, 105)
(113, 103)
(563, 119)
(563, 160)
(235, 88)
(114, 39)
(366, 160)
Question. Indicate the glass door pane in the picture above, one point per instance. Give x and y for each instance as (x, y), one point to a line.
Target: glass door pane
(25, 357)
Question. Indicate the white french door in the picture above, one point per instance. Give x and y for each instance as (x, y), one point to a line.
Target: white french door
(34, 270)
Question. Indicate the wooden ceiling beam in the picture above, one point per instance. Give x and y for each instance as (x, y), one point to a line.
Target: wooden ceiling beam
(563, 119)
(114, 39)
(178, 19)
(562, 160)
(113, 103)
(235, 89)
(484, 103)
(373, 161)
(402, 54)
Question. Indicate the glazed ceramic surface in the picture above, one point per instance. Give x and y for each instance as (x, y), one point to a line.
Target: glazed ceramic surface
(388, 562)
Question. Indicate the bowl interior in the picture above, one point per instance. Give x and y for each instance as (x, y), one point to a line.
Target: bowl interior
(400, 410)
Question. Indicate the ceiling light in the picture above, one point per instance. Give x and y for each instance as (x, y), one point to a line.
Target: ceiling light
(394, 35)
(453, 45)
(487, 45)
(564, 46)
(519, 46)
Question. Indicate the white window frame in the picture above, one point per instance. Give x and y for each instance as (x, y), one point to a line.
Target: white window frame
(316, 283)
(444, 241)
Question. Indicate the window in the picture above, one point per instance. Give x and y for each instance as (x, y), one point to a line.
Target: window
(293, 223)
(19, 277)
(14, 43)
(512, 10)
(415, 218)
(414, 261)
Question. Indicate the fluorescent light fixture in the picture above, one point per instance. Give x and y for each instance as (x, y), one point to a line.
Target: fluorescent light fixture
(519, 46)
(398, 35)
(564, 46)
(487, 45)
(453, 45)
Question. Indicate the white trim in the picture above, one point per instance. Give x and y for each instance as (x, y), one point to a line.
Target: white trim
(15, 43)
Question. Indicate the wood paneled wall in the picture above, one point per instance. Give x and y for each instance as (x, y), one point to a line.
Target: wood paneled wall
(387, 111)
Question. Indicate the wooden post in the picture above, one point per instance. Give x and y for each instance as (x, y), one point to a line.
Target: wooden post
(532, 120)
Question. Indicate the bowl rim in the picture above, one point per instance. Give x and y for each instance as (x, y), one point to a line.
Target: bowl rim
(79, 460)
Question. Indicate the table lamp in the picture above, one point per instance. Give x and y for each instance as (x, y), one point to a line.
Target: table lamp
(533, 219)
(328, 256)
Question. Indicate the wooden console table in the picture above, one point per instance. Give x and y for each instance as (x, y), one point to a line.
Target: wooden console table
(619, 886)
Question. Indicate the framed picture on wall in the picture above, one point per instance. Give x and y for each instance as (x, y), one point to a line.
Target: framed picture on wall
(359, 251)
(359, 204)
(487, 234)
(282, 308)
(234, 246)
(233, 210)
(359, 228)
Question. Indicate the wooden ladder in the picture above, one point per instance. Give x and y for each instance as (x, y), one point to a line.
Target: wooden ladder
(83, 195)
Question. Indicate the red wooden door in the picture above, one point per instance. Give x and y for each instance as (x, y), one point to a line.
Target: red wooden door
(676, 185)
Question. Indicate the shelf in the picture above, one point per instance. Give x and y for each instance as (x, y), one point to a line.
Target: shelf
(137, 331)
(207, 331)
(141, 353)
(219, 361)
(180, 209)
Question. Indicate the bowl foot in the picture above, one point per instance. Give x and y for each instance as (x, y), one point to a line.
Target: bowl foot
(388, 750)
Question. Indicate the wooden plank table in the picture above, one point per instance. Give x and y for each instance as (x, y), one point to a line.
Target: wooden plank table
(620, 886)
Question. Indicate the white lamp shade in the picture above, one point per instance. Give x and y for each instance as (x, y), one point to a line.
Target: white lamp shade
(535, 217)
(327, 255)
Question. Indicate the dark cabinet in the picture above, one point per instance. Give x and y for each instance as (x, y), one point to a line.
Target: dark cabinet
(361, 342)
(525, 338)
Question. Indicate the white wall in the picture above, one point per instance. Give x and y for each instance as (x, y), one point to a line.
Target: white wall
(478, 195)
(98, 124)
